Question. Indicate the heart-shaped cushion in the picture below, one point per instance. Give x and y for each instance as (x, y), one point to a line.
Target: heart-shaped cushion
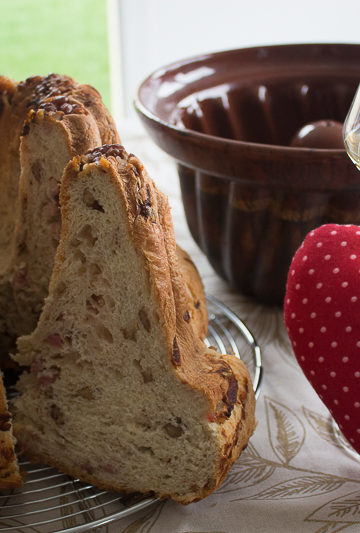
(322, 316)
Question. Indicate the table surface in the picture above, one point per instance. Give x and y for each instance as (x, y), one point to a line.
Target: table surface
(294, 475)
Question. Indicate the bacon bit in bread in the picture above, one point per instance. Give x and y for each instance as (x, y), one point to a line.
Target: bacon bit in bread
(20, 275)
(54, 340)
(176, 353)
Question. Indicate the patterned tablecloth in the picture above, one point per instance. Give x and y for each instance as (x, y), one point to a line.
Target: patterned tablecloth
(294, 475)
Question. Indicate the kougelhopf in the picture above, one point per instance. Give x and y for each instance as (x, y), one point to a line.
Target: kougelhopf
(44, 122)
(120, 390)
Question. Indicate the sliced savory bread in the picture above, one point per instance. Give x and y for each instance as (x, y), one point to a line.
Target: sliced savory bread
(120, 389)
(45, 121)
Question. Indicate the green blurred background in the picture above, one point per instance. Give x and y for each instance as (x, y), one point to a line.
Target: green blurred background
(62, 36)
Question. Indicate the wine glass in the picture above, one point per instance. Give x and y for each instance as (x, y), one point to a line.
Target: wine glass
(351, 130)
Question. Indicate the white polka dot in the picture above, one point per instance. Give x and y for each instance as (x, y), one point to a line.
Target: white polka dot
(357, 374)
(358, 344)
(319, 285)
(311, 345)
(324, 387)
(293, 272)
(345, 389)
(293, 315)
(344, 284)
(288, 301)
(338, 314)
(333, 344)
(319, 244)
(333, 232)
(294, 343)
(336, 270)
(344, 243)
(323, 329)
(297, 286)
(353, 299)
(305, 258)
(353, 256)
(352, 440)
(311, 271)
(336, 402)
(358, 430)
(313, 315)
(357, 405)
(301, 330)
(327, 257)
(305, 301)
(345, 359)
(328, 299)
(333, 374)
(348, 329)
(321, 359)
(312, 372)
(302, 358)
(358, 233)
(346, 417)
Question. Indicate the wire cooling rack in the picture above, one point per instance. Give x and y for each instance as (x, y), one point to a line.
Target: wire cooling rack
(51, 502)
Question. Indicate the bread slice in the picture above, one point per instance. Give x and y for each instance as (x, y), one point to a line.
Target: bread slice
(120, 391)
(10, 476)
(13, 112)
(63, 118)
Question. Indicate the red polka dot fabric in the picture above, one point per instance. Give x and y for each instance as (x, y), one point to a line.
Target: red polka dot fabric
(322, 316)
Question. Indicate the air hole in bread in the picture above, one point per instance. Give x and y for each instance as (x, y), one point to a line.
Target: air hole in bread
(110, 302)
(75, 242)
(87, 393)
(104, 334)
(37, 169)
(90, 201)
(57, 415)
(130, 331)
(146, 450)
(94, 270)
(173, 431)
(86, 234)
(144, 319)
(79, 256)
(146, 373)
(95, 303)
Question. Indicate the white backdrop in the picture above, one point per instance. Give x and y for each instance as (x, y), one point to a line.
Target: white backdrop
(146, 34)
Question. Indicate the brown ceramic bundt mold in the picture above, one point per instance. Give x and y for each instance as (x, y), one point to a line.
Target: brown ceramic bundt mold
(228, 120)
